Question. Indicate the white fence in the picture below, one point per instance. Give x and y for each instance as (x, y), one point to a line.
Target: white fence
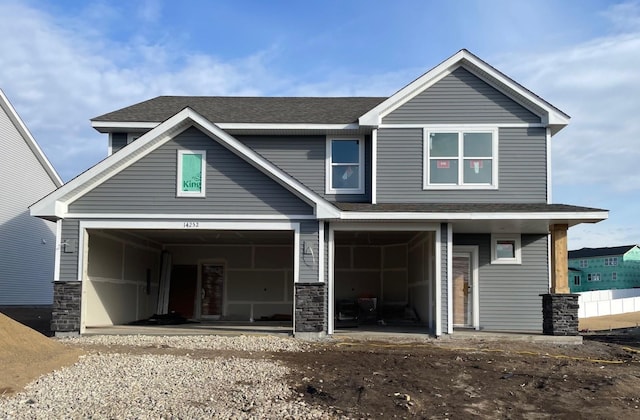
(608, 302)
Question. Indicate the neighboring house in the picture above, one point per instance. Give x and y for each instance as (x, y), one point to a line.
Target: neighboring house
(431, 208)
(26, 243)
(604, 268)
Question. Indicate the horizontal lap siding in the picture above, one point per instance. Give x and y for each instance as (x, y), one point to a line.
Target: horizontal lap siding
(233, 186)
(522, 169)
(460, 97)
(69, 253)
(309, 261)
(509, 294)
(303, 158)
(27, 244)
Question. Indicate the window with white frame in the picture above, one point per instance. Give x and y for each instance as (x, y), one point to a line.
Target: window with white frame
(505, 249)
(611, 261)
(593, 277)
(584, 263)
(345, 165)
(191, 173)
(465, 159)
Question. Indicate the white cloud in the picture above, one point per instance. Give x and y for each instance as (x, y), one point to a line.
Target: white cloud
(59, 78)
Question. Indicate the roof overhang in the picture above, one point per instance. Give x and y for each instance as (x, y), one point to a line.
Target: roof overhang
(551, 116)
(55, 205)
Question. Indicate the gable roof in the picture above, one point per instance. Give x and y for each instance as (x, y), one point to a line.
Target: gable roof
(550, 115)
(28, 138)
(600, 252)
(265, 110)
(55, 205)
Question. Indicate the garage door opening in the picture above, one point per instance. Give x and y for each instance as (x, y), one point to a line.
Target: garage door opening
(384, 280)
(211, 276)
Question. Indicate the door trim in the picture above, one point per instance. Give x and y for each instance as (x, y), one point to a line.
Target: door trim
(471, 250)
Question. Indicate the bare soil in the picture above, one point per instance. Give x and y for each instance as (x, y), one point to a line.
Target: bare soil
(599, 379)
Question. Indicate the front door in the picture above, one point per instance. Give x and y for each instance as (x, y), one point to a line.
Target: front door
(462, 290)
(211, 290)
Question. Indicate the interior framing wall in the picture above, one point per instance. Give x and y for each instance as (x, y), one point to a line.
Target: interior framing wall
(421, 276)
(258, 278)
(115, 288)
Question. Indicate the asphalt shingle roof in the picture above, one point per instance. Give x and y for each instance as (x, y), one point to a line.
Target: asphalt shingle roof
(600, 252)
(229, 109)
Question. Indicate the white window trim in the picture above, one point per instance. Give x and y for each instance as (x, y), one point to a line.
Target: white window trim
(329, 165)
(203, 189)
(426, 183)
(506, 237)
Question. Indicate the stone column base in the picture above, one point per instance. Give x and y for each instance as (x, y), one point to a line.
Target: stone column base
(65, 314)
(560, 314)
(310, 310)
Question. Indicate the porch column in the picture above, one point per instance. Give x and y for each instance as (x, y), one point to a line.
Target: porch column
(559, 307)
(559, 264)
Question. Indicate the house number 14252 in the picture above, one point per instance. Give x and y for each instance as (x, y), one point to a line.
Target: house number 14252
(191, 224)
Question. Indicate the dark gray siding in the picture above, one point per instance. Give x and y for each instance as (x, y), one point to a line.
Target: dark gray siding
(149, 185)
(522, 170)
(444, 280)
(309, 261)
(118, 141)
(461, 97)
(303, 157)
(509, 294)
(69, 253)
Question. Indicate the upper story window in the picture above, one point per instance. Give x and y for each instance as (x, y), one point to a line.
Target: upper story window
(191, 173)
(464, 159)
(611, 261)
(345, 165)
(584, 263)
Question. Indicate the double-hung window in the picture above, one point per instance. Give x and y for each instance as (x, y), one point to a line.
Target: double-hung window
(464, 159)
(345, 165)
(191, 173)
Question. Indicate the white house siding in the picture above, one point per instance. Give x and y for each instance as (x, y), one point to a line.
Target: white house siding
(27, 244)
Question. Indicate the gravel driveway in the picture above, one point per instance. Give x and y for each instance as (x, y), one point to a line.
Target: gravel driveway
(160, 386)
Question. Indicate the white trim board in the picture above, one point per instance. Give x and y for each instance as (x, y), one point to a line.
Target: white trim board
(56, 204)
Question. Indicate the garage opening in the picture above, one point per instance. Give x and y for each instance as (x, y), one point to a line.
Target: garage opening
(384, 280)
(239, 276)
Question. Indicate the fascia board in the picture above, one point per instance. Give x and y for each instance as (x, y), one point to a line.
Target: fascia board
(58, 201)
(107, 126)
(374, 117)
(28, 138)
(583, 217)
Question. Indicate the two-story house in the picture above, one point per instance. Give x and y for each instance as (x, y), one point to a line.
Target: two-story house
(430, 207)
(605, 268)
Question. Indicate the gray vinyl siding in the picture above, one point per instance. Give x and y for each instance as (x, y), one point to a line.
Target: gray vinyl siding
(27, 244)
(233, 186)
(509, 294)
(303, 157)
(69, 254)
(461, 97)
(444, 278)
(118, 141)
(309, 260)
(522, 169)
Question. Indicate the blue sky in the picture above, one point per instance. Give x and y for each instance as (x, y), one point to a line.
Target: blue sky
(64, 62)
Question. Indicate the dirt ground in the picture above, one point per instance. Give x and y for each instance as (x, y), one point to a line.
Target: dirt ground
(428, 379)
